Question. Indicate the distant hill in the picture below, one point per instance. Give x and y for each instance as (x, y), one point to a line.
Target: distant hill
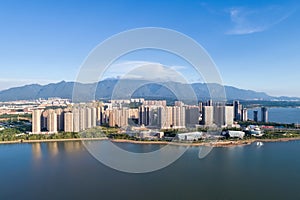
(105, 89)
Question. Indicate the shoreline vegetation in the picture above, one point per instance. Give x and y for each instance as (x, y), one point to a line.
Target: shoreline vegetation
(14, 135)
(217, 143)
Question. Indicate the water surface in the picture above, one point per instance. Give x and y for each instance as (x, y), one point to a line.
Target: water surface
(279, 114)
(65, 170)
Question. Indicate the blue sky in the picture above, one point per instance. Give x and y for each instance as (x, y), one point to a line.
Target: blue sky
(255, 44)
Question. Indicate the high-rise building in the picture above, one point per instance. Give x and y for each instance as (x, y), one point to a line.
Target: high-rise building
(208, 115)
(219, 114)
(94, 116)
(79, 117)
(191, 116)
(134, 113)
(237, 111)
(144, 115)
(134, 116)
(36, 121)
(155, 103)
(52, 122)
(161, 117)
(200, 106)
(44, 120)
(171, 117)
(60, 119)
(168, 123)
(99, 115)
(112, 118)
(182, 120)
(154, 116)
(245, 114)
(124, 116)
(178, 116)
(76, 120)
(164, 117)
(264, 114)
(209, 103)
(105, 116)
(118, 117)
(88, 118)
(179, 103)
(229, 115)
(82, 119)
(68, 122)
(255, 115)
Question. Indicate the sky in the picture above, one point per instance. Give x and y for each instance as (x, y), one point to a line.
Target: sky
(254, 44)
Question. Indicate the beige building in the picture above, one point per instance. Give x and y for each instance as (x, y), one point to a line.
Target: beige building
(178, 116)
(168, 123)
(82, 119)
(229, 115)
(52, 122)
(134, 113)
(76, 120)
(88, 118)
(70, 119)
(155, 103)
(245, 114)
(99, 114)
(60, 119)
(223, 115)
(44, 119)
(119, 117)
(94, 116)
(171, 117)
(68, 122)
(36, 120)
(208, 115)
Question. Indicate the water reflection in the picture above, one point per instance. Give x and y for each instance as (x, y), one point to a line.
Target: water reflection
(72, 146)
(52, 148)
(36, 150)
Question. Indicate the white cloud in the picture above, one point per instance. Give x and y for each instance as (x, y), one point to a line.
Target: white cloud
(247, 21)
(178, 68)
(146, 70)
(155, 72)
(122, 68)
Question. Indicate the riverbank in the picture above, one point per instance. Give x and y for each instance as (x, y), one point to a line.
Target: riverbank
(247, 142)
(51, 140)
(207, 143)
(219, 143)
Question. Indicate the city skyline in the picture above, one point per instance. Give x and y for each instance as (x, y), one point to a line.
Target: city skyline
(253, 43)
(124, 113)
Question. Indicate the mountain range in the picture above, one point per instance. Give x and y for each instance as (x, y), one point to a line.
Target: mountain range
(106, 89)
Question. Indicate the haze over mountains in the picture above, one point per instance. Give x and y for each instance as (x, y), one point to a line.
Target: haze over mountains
(105, 89)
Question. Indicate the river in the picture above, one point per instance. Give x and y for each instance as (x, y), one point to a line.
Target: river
(66, 170)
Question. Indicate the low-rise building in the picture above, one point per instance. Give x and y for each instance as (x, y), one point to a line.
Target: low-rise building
(234, 134)
(188, 136)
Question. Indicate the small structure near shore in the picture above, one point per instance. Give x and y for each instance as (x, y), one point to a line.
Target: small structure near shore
(150, 134)
(188, 136)
(253, 130)
(233, 134)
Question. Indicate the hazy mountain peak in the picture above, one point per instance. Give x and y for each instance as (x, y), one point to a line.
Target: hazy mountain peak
(106, 87)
